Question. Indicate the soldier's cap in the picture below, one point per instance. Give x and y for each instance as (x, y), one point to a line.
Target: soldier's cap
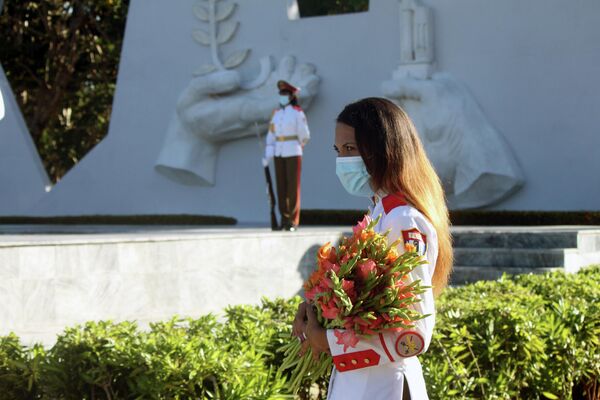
(284, 85)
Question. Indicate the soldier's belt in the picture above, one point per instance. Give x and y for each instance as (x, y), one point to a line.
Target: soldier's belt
(286, 138)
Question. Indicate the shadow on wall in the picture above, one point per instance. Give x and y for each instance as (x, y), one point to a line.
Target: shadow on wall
(307, 265)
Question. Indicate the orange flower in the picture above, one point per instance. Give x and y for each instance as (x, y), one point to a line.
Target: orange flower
(409, 247)
(392, 255)
(366, 235)
(314, 279)
(327, 252)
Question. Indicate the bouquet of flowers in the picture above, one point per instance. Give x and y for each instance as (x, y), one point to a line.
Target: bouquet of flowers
(361, 286)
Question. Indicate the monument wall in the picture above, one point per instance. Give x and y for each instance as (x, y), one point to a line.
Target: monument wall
(519, 77)
(23, 179)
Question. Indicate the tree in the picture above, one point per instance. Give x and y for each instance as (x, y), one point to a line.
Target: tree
(61, 58)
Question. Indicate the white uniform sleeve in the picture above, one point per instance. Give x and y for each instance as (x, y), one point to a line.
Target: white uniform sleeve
(270, 141)
(302, 128)
(387, 347)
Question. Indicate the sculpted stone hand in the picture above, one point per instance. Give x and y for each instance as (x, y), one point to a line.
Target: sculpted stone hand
(216, 108)
(475, 164)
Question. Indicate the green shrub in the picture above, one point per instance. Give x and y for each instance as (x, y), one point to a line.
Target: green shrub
(573, 329)
(19, 369)
(488, 343)
(525, 337)
(97, 360)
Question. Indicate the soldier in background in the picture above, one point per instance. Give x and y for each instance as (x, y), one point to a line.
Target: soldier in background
(288, 133)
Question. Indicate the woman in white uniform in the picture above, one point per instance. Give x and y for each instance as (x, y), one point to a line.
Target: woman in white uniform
(380, 156)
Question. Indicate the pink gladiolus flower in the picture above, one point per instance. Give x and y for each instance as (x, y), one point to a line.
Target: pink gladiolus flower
(360, 321)
(348, 324)
(365, 268)
(376, 323)
(325, 284)
(330, 311)
(346, 338)
(310, 294)
(361, 225)
(327, 265)
(345, 258)
(348, 287)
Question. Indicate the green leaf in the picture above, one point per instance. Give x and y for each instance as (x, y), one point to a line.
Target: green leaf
(549, 395)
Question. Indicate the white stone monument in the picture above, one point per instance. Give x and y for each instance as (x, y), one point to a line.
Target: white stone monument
(533, 78)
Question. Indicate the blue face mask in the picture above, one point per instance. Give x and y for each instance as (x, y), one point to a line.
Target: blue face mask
(353, 175)
(284, 100)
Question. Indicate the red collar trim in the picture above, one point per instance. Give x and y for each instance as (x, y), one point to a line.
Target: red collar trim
(392, 201)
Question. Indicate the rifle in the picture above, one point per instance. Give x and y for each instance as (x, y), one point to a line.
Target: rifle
(270, 192)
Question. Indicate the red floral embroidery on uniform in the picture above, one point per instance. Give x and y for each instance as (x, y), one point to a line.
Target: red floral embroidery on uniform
(347, 338)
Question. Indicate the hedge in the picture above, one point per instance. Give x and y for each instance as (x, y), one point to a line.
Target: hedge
(525, 337)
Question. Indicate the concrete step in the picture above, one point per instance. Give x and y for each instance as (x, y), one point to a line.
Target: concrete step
(508, 257)
(515, 240)
(462, 275)
(587, 240)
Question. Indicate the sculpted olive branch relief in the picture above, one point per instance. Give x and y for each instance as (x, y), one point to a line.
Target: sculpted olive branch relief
(220, 31)
(218, 106)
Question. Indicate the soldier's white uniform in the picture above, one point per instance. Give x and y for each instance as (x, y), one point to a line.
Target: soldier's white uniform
(288, 132)
(376, 367)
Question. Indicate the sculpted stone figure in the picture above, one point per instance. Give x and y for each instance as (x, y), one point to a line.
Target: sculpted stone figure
(475, 164)
(215, 108)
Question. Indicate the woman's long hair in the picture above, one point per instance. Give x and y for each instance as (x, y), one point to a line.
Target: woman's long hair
(396, 160)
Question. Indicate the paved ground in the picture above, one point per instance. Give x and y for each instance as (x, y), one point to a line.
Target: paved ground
(12, 235)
